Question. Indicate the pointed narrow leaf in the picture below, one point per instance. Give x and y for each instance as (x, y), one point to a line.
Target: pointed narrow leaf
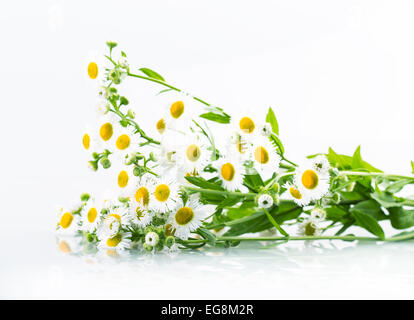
(151, 73)
(369, 223)
(271, 119)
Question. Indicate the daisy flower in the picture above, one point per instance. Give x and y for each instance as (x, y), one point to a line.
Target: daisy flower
(67, 221)
(113, 221)
(90, 140)
(105, 130)
(125, 140)
(142, 191)
(139, 214)
(311, 182)
(310, 227)
(265, 129)
(152, 239)
(265, 158)
(265, 201)
(126, 180)
(118, 241)
(239, 144)
(95, 69)
(193, 155)
(245, 123)
(179, 112)
(91, 215)
(186, 218)
(318, 214)
(293, 193)
(164, 195)
(231, 172)
(321, 164)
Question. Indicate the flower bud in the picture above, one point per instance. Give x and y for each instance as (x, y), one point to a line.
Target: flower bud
(123, 63)
(147, 247)
(90, 237)
(276, 187)
(336, 197)
(105, 163)
(169, 241)
(123, 101)
(130, 114)
(111, 44)
(85, 197)
(152, 157)
(152, 239)
(138, 171)
(93, 165)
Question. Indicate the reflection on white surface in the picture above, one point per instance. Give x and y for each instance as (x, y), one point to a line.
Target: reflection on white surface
(44, 269)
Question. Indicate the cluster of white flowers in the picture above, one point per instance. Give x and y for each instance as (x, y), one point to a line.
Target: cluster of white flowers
(152, 204)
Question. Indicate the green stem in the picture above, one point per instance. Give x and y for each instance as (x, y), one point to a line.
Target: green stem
(375, 174)
(221, 192)
(175, 89)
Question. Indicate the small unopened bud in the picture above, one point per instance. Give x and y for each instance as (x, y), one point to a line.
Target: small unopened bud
(147, 247)
(105, 163)
(169, 241)
(124, 101)
(264, 200)
(123, 62)
(85, 197)
(93, 165)
(152, 157)
(276, 187)
(318, 214)
(138, 171)
(111, 44)
(130, 114)
(152, 239)
(123, 199)
(336, 197)
(90, 237)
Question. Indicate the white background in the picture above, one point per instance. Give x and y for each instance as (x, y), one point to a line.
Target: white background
(337, 73)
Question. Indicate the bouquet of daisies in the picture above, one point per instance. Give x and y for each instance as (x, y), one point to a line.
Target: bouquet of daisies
(186, 187)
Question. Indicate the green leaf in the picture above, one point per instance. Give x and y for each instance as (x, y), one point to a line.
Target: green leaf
(275, 224)
(271, 119)
(371, 208)
(369, 223)
(151, 73)
(343, 162)
(274, 139)
(220, 118)
(401, 218)
(397, 186)
(412, 166)
(229, 202)
(202, 183)
(386, 199)
(335, 213)
(208, 235)
(258, 221)
(253, 181)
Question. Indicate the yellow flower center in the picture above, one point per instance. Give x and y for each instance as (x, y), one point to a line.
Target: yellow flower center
(66, 220)
(310, 229)
(161, 126)
(123, 142)
(114, 241)
(116, 216)
(142, 195)
(123, 179)
(310, 179)
(64, 247)
(162, 192)
(169, 231)
(106, 131)
(92, 213)
(246, 125)
(193, 153)
(86, 141)
(227, 171)
(295, 193)
(177, 109)
(93, 70)
(184, 215)
(261, 155)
